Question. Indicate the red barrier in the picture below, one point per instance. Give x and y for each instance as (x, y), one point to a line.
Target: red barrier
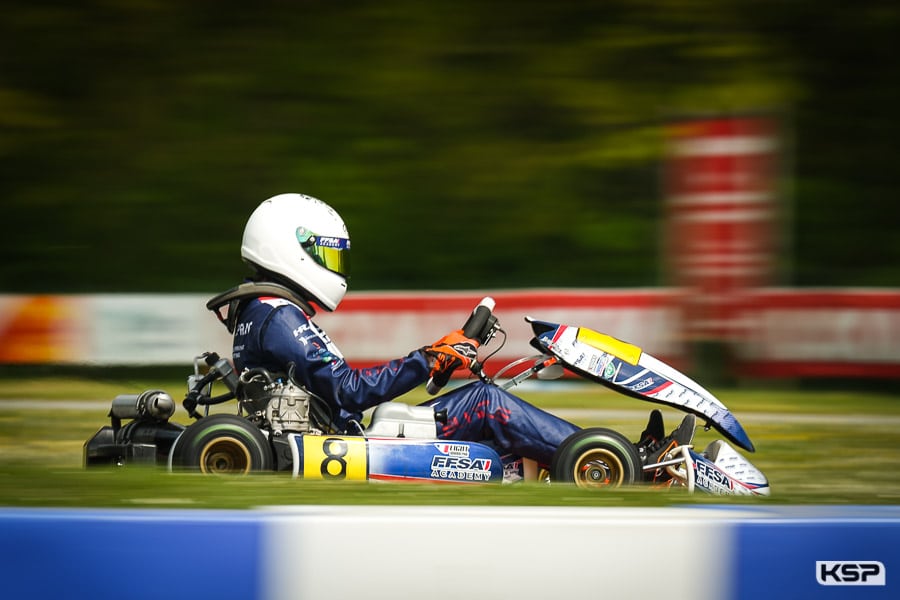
(784, 332)
(371, 328)
(821, 333)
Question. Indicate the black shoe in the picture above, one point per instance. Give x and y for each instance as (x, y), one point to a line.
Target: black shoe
(652, 434)
(655, 430)
(682, 436)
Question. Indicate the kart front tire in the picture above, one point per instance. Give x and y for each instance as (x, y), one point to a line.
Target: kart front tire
(222, 444)
(596, 458)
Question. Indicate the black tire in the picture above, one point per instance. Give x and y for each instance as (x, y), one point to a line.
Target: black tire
(596, 458)
(223, 445)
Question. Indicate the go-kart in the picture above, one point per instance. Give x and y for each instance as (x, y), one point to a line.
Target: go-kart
(280, 427)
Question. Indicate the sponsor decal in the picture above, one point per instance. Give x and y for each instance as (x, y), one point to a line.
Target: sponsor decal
(598, 362)
(643, 384)
(577, 362)
(331, 354)
(453, 449)
(306, 339)
(244, 328)
(712, 479)
(333, 242)
(461, 468)
(610, 370)
(850, 572)
(465, 349)
(513, 470)
(304, 334)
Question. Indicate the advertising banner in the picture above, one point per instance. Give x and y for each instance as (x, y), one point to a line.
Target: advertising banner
(721, 188)
(785, 332)
(369, 328)
(821, 333)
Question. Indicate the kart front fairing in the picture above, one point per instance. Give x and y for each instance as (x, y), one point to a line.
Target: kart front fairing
(627, 369)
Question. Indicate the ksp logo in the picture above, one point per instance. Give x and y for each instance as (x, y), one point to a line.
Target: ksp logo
(850, 572)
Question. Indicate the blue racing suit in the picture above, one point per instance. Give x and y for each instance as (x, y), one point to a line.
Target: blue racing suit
(274, 332)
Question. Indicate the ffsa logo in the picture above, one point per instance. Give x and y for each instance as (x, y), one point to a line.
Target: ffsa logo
(850, 572)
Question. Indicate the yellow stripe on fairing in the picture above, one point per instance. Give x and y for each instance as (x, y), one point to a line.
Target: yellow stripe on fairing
(627, 352)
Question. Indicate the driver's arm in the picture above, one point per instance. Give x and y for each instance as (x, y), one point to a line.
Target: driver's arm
(291, 337)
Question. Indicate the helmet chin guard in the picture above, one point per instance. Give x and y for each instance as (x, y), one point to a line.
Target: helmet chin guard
(304, 243)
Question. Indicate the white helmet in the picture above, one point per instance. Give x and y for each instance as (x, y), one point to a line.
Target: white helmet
(303, 243)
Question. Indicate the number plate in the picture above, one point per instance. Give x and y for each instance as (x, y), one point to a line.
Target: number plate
(334, 457)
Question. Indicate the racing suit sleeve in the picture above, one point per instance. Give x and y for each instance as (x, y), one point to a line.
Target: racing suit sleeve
(289, 336)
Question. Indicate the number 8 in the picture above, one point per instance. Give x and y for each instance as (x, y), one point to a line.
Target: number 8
(335, 449)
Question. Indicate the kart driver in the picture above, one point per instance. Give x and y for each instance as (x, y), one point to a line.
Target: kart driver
(298, 249)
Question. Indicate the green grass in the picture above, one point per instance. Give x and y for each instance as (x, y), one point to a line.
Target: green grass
(823, 448)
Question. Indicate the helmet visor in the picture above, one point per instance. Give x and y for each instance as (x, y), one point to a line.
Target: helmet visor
(333, 253)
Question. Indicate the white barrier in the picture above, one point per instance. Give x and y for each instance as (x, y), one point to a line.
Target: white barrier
(489, 553)
(369, 328)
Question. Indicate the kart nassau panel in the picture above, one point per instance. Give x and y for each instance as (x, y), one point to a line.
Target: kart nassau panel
(628, 369)
(393, 459)
(729, 474)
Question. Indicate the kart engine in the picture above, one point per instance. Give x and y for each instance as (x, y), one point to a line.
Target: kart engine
(288, 409)
(284, 405)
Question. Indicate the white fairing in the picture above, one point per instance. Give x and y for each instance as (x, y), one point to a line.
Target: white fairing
(629, 369)
(746, 478)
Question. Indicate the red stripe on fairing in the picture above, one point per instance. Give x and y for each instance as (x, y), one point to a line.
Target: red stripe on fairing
(660, 388)
(559, 332)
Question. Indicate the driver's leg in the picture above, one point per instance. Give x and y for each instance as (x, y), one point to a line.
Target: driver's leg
(482, 412)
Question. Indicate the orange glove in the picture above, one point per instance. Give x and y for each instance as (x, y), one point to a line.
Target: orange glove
(451, 352)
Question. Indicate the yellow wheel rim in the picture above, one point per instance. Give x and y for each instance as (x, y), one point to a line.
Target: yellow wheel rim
(598, 468)
(225, 455)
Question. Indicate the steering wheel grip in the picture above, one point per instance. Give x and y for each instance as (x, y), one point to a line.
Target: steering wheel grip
(475, 327)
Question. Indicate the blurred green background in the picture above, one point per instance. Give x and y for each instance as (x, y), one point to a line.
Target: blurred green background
(468, 144)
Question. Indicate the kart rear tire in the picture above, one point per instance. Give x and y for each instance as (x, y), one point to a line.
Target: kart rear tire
(222, 445)
(596, 458)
